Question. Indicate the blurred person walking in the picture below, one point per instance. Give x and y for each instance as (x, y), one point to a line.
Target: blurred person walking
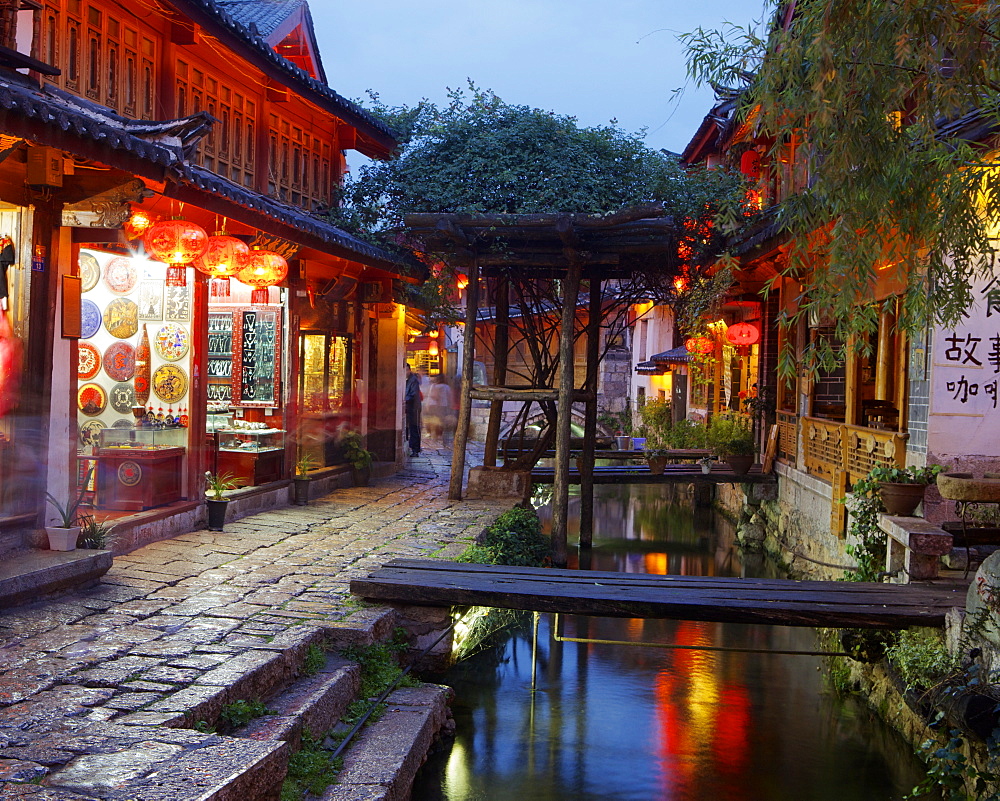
(412, 402)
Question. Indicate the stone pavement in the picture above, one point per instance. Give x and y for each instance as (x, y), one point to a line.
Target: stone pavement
(108, 682)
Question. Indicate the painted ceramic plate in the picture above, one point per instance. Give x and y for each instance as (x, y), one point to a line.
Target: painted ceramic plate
(122, 398)
(90, 318)
(170, 383)
(129, 473)
(121, 318)
(119, 361)
(171, 342)
(142, 370)
(91, 399)
(90, 272)
(123, 423)
(120, 275)
(90, 432)
(90, 361)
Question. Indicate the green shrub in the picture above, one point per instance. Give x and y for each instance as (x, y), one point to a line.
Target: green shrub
(515, 538)
(921, 657)
(687, 434)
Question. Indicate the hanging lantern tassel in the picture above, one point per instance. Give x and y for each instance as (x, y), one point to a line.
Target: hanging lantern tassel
(219, 287)
(178, 243)
(263, 270)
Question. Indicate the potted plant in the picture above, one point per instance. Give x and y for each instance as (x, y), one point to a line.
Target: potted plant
(358, 457)
(94, 534)
(730, 436)
(902, 488)
(64, 534)
(657, 453)
(301, 480)
(706, 464)
(217, 485)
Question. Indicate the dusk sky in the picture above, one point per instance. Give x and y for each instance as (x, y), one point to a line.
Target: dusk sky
(594, 59)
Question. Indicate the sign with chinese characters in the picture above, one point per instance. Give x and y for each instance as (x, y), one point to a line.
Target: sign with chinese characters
(256, 340)
(965, 376)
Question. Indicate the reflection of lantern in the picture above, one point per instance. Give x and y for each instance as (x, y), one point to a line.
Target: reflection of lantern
(743, 334)
(136, 225)
(178, 243)
(225, 256)
(263, 269)
(700, 345)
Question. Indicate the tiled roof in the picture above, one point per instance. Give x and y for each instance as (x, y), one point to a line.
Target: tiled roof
(350, 112)
(265, 15)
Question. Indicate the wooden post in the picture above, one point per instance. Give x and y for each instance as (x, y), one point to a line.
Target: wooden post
(465, 399)
(564, 414)
(851, 366)
(883, 365)
(590, 417)
(502, 337)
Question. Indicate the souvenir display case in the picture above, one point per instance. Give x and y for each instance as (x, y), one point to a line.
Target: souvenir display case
(139, 468)
(255, 455)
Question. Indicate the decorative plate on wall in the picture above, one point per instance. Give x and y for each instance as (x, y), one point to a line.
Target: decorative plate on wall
(90, 361)
(90, 432)
(120, 275)
(142, 369)
(119, 361)
(122, 397)
(90, 318)
(170, 383)
(171, 342)
(123, 423)
(91, 399)
(90, 272)
(121, 318)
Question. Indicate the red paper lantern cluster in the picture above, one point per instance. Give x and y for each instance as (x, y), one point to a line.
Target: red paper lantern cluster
(263, 269)
(743, 334)
(699, 345)
(178, 243)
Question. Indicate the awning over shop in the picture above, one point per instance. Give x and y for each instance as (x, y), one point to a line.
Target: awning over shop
(662, 363)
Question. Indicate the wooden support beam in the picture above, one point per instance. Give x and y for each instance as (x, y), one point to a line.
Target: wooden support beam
(525, 394)
(564, 415)
(465, 399)
(590, 416)
(501, 338)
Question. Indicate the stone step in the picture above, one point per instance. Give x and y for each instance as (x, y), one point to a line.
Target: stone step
(31, 575)
(381, 763)
(312, 703)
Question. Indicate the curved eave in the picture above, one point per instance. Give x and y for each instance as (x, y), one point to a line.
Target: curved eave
(375, 138)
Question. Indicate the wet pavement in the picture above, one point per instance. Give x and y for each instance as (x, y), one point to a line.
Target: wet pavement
(174, 623)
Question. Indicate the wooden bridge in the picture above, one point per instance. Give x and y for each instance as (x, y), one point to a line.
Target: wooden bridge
(836, 604)
(673, 474)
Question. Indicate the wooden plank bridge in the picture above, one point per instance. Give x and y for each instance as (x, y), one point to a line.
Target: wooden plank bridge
(836, 604)
(674, 474)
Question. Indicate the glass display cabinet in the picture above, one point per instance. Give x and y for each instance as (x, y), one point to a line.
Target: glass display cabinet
(254, 455)
(139, 468)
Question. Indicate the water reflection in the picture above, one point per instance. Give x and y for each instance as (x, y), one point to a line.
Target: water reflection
(634, 721)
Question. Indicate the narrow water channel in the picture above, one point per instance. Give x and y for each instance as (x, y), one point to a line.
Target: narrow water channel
(636, 722)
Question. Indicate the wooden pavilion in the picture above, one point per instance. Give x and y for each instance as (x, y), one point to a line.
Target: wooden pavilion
(637, 244)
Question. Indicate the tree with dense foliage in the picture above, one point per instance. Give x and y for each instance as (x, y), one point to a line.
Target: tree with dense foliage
(895, 104)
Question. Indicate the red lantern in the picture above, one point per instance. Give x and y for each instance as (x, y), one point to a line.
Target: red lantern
(699, 345)
(178, 243)
(743, 334)
(263, 269)
(225, 256)
(137, 225)
(462, 281)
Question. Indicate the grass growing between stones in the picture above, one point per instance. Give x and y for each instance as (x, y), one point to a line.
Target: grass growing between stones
(311, 770)
(239, 713)
(314, 661)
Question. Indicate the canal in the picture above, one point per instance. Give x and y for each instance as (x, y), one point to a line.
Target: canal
(636, 722)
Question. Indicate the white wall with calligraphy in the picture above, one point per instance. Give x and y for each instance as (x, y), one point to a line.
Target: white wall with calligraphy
(964, 372)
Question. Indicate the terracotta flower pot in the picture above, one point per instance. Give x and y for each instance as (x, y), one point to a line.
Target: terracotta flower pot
(62, 539)
(362, 476)
(301, 490)
(657, 464)
(901, 500)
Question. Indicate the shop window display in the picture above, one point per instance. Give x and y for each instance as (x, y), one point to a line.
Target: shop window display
(133, 381)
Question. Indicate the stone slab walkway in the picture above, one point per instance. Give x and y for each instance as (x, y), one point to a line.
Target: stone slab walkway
(96, 675)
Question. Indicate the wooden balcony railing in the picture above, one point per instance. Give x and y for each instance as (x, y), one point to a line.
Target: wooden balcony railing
(788, 436)
(829, 447)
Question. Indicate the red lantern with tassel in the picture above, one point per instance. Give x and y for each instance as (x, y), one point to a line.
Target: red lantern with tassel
(225, 257)
(263, 269)
(743, 334)
(178, 243)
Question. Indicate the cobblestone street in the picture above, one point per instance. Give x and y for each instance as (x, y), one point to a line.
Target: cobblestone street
(139, 658)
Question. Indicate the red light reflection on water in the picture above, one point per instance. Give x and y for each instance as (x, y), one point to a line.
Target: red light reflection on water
(703, 720)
